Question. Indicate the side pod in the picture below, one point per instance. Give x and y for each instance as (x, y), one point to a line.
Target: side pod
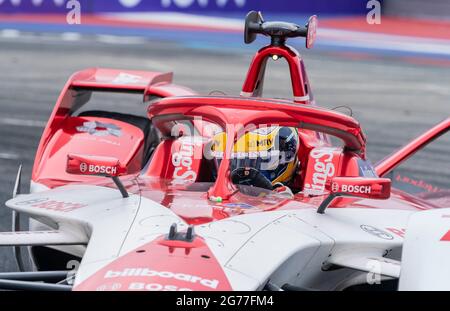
(426, 252)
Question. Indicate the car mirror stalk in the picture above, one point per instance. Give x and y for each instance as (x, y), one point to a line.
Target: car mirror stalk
(97, 166)
(357, 187)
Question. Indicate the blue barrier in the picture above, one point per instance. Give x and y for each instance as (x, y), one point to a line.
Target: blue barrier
(189, 6)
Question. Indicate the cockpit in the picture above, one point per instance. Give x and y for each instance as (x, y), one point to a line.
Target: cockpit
(236, 143)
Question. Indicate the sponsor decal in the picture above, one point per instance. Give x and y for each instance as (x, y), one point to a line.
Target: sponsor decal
(154, 266)
(265, 130)
(446, 237)
(238, 205)
(249, 155)
(96, 128)
(98, 169)
(261, 143)
(145, 272)
(419, 184)
(32, 201)
(156, 287)
(52, 205)
(182, 162)
(335, 187)
(323, 169)
(398, 232)
(366, 169)
(126, 78)
(356, 189)
(83, 167)
(377, 232)
(252, 144)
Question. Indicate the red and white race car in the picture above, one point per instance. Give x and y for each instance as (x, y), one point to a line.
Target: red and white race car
(126, 202)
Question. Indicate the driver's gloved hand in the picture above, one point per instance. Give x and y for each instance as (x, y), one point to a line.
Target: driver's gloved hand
(283, 190)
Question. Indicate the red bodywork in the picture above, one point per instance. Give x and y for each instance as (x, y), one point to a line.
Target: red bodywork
(361, 187)
(255, 76)
(94, 165)
(60, 136)
(179, 175)
(407, 151)
(194, 258)
(167, 176)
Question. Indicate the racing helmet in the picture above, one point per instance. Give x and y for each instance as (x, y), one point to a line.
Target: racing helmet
(262, 157)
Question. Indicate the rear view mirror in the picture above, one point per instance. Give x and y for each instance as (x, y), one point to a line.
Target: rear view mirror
(312, 30)
(360, 187)
(253, 21)
(94, 165)
(97, 166)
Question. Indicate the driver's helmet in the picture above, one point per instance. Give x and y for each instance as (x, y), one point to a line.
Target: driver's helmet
(271, 151)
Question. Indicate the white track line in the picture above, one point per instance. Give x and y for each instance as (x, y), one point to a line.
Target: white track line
(9, 33)
(111, 39)
(71, 36)
(9, 156)
(21, 122)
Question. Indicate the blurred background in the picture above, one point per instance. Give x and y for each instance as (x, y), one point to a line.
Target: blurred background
(387, 61)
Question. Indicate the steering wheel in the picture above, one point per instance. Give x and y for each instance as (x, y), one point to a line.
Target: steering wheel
(251, 177)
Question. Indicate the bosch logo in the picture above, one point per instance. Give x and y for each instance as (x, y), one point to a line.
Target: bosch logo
(356, 189)
(101, 169)
(83, 167)
(335, 187)
(156, 287)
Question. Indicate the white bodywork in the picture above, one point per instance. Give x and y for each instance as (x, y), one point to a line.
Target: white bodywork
(343, 247)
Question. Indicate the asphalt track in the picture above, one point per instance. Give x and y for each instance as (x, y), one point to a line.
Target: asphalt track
(394, 100)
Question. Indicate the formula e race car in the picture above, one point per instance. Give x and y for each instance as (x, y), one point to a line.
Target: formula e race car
(121, 201)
